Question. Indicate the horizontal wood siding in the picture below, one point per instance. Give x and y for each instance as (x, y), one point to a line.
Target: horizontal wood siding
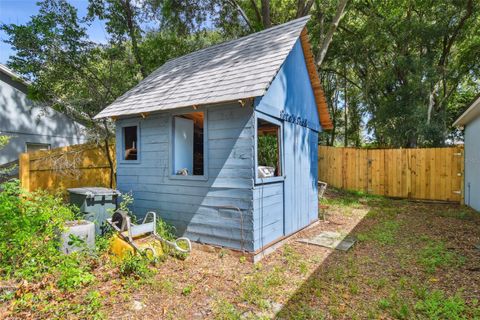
(195, 207)
(425, 174)
(268, 213)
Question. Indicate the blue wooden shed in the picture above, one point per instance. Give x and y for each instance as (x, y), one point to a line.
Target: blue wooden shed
(222, 142)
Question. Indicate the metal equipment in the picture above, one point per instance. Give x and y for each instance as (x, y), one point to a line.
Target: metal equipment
(142, 238)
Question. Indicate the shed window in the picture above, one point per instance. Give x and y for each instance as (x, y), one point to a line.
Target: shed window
(268, 150)
(188, 144)
(130, 142)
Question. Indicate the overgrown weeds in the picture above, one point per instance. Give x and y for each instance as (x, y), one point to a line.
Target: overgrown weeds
(135, 265)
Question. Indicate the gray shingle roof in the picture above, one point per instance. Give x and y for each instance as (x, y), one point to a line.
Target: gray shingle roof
(237, 69)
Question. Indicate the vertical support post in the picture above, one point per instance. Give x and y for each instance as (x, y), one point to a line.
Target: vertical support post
(24, 171)
(461, 150)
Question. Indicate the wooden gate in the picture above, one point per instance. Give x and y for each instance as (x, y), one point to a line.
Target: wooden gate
(427, 174)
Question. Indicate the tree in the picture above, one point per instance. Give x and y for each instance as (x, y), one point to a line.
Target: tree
(67, 71)
(122, 21)
(410, 60)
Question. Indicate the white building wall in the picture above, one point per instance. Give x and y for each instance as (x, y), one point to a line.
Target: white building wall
(472, 164)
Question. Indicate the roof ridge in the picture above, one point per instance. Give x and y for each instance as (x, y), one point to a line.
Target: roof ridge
(212, 62)
(279, 26)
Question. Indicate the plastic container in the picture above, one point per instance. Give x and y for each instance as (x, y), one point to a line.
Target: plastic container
(78, 235)
(96, 203)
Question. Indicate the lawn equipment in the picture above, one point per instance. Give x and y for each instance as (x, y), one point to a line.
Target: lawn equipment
(142, 238)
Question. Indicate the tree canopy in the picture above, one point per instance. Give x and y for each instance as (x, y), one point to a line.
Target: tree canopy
(394, 73)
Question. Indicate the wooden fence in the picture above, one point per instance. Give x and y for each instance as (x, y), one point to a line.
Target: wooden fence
(67, 167)
(426, 174)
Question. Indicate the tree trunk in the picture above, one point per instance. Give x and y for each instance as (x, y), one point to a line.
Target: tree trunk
(257, 12)
(239, 9)
(133, 37)
(303, 8)
(333, 27)
(267, 23)
(107, 152)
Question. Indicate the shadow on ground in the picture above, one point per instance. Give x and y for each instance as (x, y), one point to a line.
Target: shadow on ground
(412, 260)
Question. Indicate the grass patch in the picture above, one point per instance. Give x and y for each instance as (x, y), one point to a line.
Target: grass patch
(436, 306)
(257, 287)
(435, 255)
(224, 310)
(461, 214)
(384, 233)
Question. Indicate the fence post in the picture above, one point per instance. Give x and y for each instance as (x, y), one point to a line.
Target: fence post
(24, 171)
(461, 150)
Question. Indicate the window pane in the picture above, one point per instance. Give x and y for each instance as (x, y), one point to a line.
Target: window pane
(130, 141)
(32, 147)
(188, 149)
(268, 149)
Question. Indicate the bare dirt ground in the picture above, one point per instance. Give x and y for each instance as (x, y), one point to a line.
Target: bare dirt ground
(412, 260)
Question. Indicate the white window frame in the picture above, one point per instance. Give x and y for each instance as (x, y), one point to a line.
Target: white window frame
(279, 123)
(171, 141)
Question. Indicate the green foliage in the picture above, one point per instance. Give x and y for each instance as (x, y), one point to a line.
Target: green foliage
(3, 141)
(257, 287)
(268, 151)
(224, 310)
(29, 234)
(436, 306)
(29, 226)
(414, 61)
(165, 230)
(435, 255)
(396, 63)
(136, 266)
(383, 233)
(186, 291)
(72, 273)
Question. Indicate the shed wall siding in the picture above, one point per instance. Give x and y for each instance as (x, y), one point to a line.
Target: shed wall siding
(192, 206)
(472, 164)
(283, 208)
(291, 91)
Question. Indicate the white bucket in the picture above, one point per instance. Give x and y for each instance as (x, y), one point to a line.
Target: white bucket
(83, 236)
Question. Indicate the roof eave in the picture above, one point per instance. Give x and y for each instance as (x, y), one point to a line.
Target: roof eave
(322, 107)
(12, 74)
(471, 113)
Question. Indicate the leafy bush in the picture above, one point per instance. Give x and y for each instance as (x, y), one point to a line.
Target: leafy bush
(29, 227)
(73, 273)
(134, 265)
